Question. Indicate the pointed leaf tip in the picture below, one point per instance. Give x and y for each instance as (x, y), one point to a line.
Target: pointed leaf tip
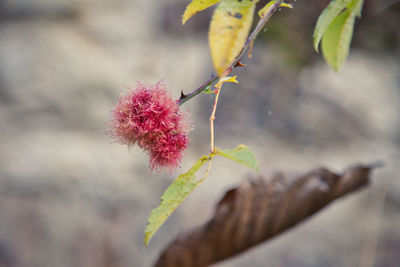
(195, 7)
(263, 11)
(175, 194)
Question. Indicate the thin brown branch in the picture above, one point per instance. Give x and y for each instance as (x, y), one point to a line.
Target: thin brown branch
(260, 25)
(212, 118)
(186, 97)
(258, 210)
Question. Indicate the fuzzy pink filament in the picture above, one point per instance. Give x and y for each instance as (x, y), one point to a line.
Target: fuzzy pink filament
(149, 117)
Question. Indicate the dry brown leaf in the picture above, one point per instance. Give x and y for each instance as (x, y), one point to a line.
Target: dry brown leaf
(258, 210)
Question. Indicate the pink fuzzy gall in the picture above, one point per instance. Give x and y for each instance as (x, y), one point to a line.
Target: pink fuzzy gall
(147, 116)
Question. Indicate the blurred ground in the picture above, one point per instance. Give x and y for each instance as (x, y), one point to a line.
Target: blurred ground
(71, 197)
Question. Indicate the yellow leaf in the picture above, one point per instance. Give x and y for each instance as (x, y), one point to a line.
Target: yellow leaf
(227, 79)
(263, 11)
(228, 32)
(196, 6)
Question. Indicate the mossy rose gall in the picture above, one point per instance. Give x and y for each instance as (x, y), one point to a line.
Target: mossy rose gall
(149, 117)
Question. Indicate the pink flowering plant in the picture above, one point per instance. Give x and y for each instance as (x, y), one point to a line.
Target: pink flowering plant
(149, 117)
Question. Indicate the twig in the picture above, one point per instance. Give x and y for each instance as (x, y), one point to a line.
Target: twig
(208, 168)
(260, 25)
(189, 96)
(248, 43)
(212, 118)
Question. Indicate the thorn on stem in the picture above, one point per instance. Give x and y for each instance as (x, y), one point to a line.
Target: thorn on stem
(240, 64)
(182, 95)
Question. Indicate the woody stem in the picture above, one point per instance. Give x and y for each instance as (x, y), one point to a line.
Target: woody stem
(260, 25)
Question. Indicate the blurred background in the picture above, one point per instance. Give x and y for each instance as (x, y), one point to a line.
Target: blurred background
(69, 196)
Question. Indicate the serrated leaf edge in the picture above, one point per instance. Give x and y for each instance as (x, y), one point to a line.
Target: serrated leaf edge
(225, 154)
(151, 229)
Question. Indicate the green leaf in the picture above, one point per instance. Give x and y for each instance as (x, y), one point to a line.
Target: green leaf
(337, 38)
(326, 18)
(263, 11)
(208, 90)
(241, 154)
(180, 188)
(356, 6)
(196, 6)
